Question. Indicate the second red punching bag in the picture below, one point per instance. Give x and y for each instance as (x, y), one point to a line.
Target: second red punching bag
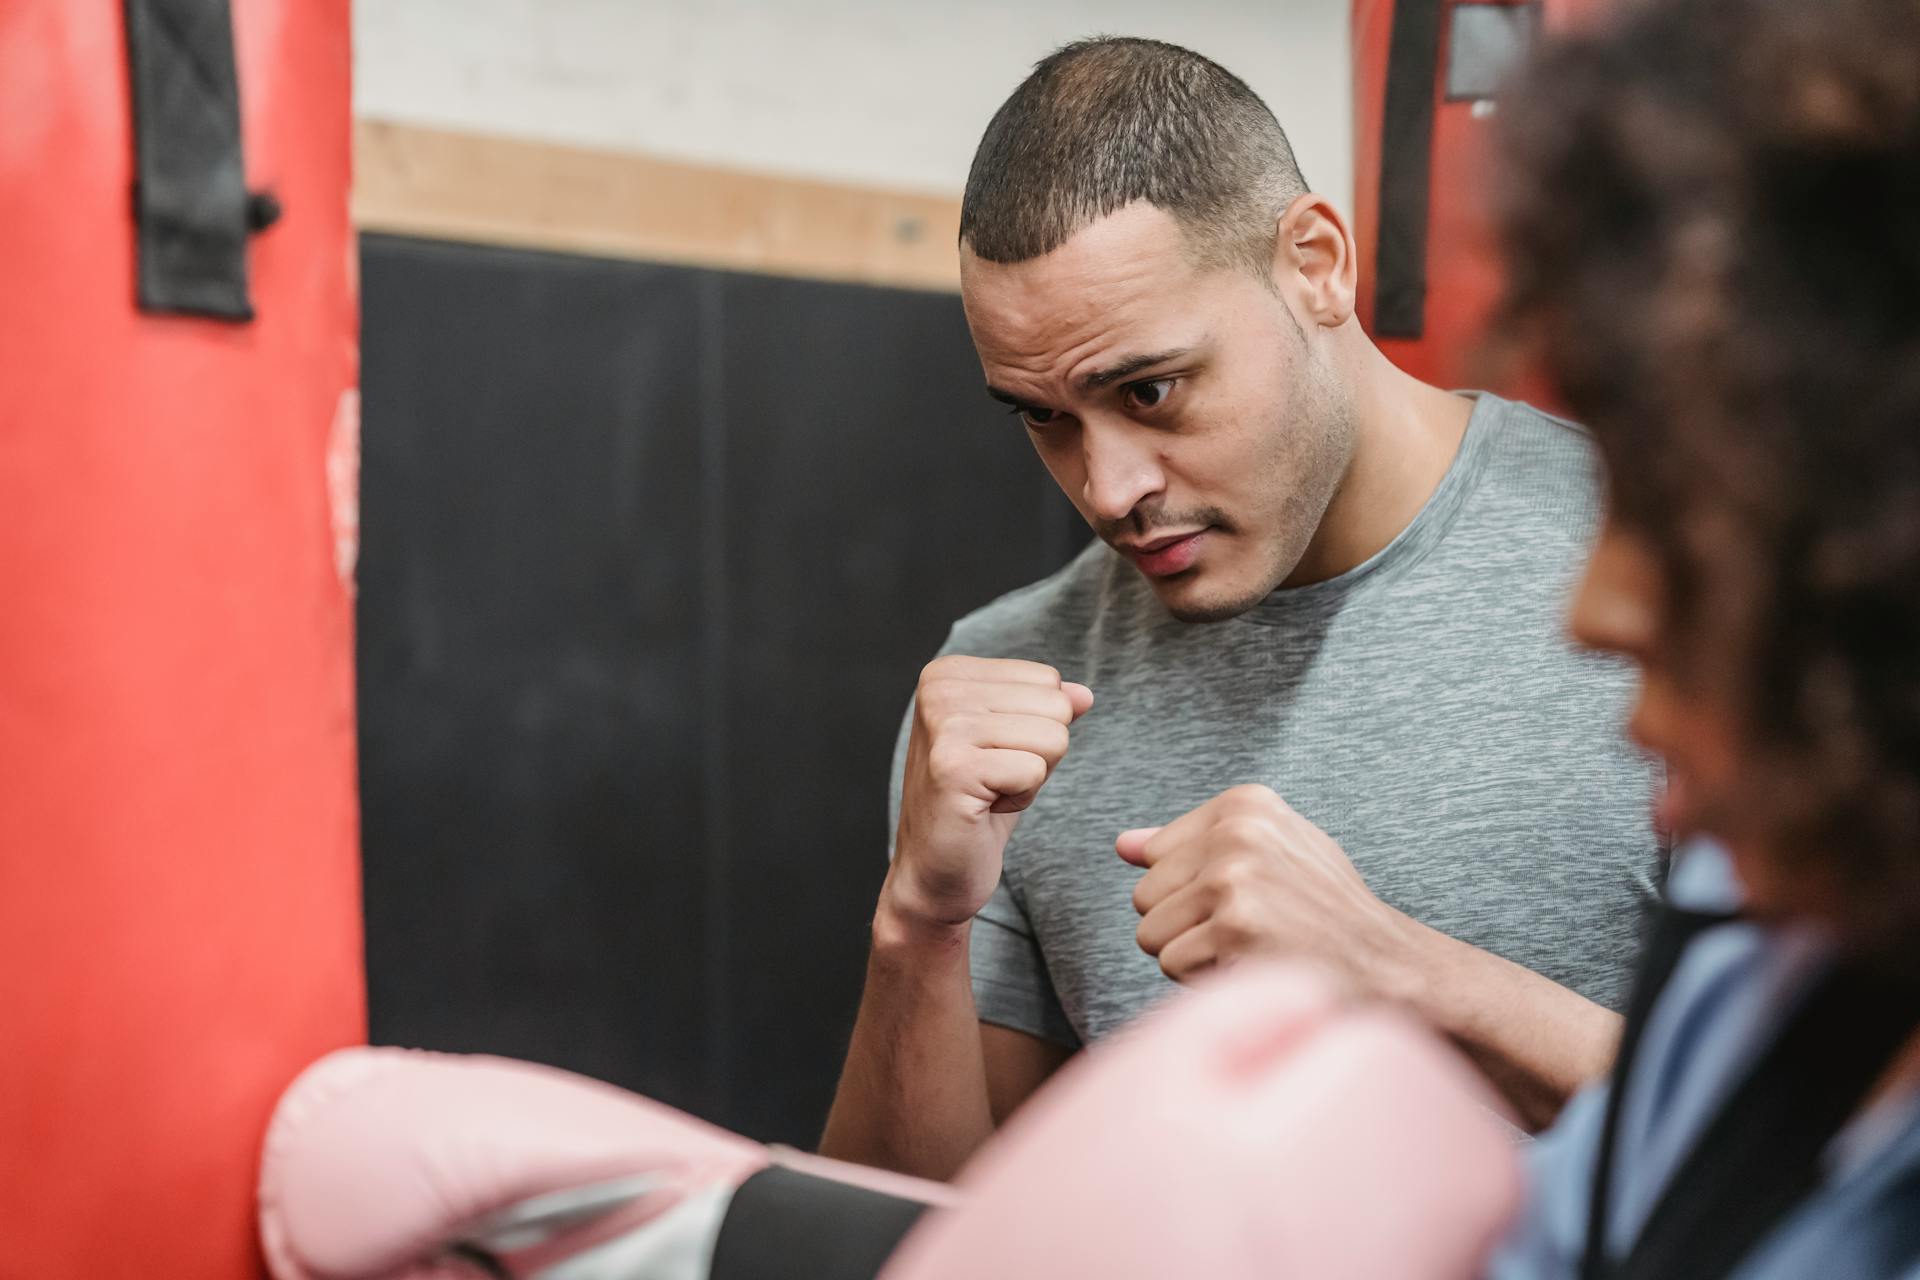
(1427, 75)
(179, 892)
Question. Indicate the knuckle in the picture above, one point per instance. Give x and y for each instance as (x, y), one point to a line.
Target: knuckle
(1172, 965)
(1225, 878)
(946, 763)
(935, 701)
(1243, 831)
(1147, 940)
(1233, 924)
(1252, 797)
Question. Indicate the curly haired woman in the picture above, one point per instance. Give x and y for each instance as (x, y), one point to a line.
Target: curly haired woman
(1714, 233)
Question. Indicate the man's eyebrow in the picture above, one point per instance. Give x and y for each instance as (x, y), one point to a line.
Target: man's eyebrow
(1103, 377)
(1127, 368)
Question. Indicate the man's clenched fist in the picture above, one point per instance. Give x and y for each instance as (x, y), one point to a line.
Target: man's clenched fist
(1245, 875)
(987, 732)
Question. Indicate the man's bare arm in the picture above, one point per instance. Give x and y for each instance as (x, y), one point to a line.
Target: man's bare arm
(913, 1096)
(925, 1082)
(1538, 1042)
(1017, 1065)
(1246, 875)
(920, 1091)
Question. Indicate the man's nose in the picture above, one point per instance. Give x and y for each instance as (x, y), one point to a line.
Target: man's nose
(1122, 471)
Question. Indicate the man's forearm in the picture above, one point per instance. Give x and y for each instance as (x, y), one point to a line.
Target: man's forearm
(1536, 1040)
(913, 1096)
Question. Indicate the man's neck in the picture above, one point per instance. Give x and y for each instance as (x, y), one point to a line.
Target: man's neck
(1406, 435)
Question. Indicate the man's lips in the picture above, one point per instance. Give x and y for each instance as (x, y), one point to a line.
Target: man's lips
(1166, 555)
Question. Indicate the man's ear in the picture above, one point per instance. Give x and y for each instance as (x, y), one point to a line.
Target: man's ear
(1314, 260)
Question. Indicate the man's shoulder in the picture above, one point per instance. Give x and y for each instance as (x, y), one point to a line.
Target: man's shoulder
(1539, 485)
(1536, 451)
(1048, 620)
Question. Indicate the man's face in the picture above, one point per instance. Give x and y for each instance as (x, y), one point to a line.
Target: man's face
(1182, 409)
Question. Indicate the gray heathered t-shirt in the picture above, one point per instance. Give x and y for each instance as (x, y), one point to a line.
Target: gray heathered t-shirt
(1425, 709)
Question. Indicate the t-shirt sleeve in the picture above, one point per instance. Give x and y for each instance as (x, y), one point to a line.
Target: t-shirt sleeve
(1010, 983)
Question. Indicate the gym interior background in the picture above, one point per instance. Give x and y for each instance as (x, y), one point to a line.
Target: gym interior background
(676, 466)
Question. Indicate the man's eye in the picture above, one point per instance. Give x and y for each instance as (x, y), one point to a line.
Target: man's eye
(1034, 415)
(1152, 393)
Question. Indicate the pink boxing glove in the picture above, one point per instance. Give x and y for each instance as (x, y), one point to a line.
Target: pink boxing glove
(1251, 1130)
(395, 1164)
(378, 1160)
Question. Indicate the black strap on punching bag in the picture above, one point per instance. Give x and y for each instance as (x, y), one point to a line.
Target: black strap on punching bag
(784, 1225)
(191, 205)
(1762, 1154)
(1406, 170)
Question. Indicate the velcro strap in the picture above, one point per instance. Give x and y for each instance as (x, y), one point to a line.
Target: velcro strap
(784, 1224)
(191, 205)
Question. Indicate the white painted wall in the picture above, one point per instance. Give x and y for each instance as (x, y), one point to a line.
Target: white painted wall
(890, 93)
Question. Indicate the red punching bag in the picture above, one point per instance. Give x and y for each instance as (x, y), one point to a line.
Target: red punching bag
(179, 892)
(1426, 74)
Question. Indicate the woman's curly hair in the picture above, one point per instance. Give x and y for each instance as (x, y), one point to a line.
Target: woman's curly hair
(1711, 215)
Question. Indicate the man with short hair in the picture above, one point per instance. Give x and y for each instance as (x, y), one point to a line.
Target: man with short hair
(1316, 577)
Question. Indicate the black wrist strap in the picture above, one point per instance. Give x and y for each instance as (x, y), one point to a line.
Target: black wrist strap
(784, 1225)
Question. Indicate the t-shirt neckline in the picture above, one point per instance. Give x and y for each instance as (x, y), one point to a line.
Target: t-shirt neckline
(1423, 533)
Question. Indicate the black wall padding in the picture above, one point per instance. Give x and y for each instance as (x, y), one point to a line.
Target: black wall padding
(651, 558)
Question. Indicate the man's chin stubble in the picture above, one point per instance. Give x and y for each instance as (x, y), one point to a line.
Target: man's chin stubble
(1210, 611)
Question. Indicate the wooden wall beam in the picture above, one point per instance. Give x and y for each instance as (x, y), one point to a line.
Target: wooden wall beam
(435, 183)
